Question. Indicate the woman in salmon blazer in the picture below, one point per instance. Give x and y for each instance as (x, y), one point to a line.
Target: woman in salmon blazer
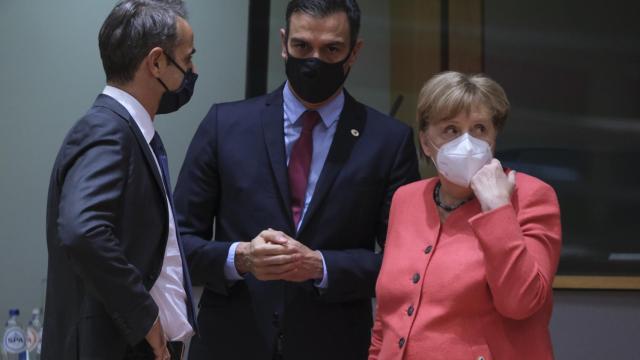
(471, 253)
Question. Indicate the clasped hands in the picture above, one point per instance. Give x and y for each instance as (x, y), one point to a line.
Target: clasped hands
(273, 255)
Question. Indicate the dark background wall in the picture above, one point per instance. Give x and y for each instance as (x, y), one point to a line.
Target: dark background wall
(571, 69)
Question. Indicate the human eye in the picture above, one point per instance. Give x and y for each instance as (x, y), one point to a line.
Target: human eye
(450, 130)
(300, 45)
(480, 129)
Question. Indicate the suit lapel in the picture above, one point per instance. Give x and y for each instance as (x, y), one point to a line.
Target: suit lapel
(272, 119)
(111, 104)
(350, 127)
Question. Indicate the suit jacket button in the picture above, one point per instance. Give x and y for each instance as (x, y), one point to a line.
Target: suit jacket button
(401, 342)
(416, 278)
(410, 310)
(276, 319)
(428, 249)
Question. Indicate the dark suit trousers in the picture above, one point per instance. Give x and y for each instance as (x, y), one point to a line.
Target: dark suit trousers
(143, 351)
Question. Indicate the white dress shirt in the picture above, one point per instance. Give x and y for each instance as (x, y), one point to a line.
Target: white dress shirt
(168, 290)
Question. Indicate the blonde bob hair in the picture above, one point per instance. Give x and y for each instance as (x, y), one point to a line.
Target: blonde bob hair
(449, 93)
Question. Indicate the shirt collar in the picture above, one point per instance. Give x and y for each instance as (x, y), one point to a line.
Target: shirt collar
(293, 108)
(135, 109)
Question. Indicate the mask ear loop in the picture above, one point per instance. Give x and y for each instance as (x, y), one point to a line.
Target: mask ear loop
(349, 54)
(434, 145)
(175, 64)
(434, 161)
(163, 84)
(184, 72)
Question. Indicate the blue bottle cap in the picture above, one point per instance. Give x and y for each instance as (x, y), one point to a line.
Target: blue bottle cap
(14, 312)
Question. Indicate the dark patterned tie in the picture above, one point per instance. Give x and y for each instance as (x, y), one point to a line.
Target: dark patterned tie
(300, 164)
(161, 156)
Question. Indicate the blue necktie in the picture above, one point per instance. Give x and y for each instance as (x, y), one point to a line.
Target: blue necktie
(161, 156)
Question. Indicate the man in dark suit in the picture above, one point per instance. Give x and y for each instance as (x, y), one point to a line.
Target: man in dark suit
(297, 184)
(118, 286)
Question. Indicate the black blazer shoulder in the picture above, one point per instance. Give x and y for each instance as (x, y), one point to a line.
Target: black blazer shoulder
(106, 119)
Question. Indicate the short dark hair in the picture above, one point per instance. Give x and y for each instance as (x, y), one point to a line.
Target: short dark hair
(322, 8)
(132, 29)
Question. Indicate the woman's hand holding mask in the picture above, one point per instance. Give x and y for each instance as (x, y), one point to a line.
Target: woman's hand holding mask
(492, 186)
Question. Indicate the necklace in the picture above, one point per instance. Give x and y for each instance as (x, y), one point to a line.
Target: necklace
(445, 207)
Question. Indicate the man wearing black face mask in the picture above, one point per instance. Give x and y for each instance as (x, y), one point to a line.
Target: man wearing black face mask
(172, 100)
(299, 184)
(118, 285)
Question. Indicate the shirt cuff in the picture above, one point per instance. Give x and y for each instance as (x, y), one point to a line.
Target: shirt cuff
(324, 282)
(230, 271)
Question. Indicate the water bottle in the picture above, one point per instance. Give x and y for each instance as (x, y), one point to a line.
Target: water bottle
(34, 335)
(14, 341)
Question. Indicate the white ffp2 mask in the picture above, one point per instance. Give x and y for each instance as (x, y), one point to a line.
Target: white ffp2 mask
(461, 158)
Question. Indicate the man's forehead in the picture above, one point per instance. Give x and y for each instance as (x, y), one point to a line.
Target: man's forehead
(333, 27)
(185, 33)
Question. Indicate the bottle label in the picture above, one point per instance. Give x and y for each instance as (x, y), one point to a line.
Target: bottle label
(33, 338)
(39, 347)
(14, 340)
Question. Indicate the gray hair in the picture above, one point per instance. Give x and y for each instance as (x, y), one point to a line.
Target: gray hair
(449, 93)
(132, 29)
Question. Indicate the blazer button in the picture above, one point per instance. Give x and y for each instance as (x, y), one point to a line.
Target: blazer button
(410, 310)
(401, 342)
(480, 357)
(416, 278)
(276, 319)
(428, 249)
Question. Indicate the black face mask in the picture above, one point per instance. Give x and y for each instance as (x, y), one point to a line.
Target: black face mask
(314, 80)
(172, 100)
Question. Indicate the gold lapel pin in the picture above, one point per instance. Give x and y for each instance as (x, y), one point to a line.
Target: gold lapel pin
(355, 132)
